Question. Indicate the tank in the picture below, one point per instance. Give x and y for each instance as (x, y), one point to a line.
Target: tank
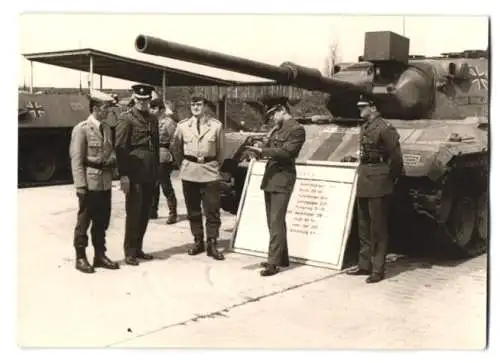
(439, 105)
(45, 121)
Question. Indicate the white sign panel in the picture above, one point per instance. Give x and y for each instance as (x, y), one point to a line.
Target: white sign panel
(318, 218)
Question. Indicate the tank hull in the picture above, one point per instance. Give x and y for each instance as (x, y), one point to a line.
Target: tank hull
(443, 195)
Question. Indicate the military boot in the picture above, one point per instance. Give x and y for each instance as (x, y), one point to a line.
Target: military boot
(198, 247)
(212, 250)
(172, 218)
(101, 260)
(82, 264)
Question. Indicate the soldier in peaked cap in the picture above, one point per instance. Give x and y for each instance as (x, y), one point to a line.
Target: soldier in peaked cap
(197, 147)
(284, 142)
(92, 163)
(381, 164)
(137, 153)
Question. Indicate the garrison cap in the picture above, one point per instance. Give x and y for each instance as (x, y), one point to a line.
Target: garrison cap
(142, 91)
(272, 103)
(101, 97)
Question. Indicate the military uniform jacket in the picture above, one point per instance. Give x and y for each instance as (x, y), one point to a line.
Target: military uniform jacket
(167, 127)
(208, 143)
(137, 146)
(380, 159)
(282, 149)
(92, 155)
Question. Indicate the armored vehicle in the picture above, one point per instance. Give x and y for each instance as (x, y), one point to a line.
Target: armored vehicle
(45, 122)
(439, 105)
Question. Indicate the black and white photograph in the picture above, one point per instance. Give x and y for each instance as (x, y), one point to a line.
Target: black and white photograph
(253, 181)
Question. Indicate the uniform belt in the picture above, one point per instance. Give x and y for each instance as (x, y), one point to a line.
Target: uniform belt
(201, 159)
(94, 165)
(166, 146)
(380, 160)
(99, 166)
(142, 147)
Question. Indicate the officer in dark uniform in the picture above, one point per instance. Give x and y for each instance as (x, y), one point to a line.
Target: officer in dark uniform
(284, 143)
(197, 147)
(381, 164)
(137, 153)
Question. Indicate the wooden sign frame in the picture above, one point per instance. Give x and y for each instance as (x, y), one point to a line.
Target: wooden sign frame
(347, 171)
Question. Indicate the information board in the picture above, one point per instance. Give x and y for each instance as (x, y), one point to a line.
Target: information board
(318, 218)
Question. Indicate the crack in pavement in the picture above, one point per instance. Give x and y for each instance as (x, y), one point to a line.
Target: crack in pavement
(220, 312)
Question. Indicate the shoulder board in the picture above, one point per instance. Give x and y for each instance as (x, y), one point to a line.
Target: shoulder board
(184, 121)
(215, 121)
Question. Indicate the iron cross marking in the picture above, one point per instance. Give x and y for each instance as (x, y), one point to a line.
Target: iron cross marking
(480, 78)
(35, 109)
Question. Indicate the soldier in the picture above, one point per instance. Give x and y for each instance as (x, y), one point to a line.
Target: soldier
(198, 149)
(167, 128)
(381, 165)
(284, 143)
(92, 162)
(137, 153)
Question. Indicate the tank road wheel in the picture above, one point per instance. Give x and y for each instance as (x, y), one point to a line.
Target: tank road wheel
(482, 217)
(462, 222)
(479, 245)
(41, 165)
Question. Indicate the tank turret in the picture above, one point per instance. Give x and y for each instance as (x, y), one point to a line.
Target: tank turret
(402, 87)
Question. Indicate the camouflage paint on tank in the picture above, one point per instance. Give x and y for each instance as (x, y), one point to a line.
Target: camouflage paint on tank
(421, 141)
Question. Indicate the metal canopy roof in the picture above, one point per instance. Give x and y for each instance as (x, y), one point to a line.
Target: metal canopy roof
(115, 66)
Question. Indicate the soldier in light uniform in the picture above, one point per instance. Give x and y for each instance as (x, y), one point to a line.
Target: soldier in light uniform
(285, 140)
(137, 153)
(198, 149)
(92, 163)
(167, 127)
(381, 165)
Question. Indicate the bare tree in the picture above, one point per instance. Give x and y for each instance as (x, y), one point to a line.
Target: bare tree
(332, 58)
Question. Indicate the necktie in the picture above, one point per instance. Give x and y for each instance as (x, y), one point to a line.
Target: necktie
(101, 130)
(198, 125)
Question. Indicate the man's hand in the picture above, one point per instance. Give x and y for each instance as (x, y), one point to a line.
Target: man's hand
(253, 152)
(254, 149)
(81, 192)
(125, 184)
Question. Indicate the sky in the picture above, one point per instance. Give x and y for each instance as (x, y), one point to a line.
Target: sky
(273, 39)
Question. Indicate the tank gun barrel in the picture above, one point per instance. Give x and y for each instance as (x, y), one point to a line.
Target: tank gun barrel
(287, 73)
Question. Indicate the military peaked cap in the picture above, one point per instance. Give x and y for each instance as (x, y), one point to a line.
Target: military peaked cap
(142, 91)
(272, 103)
(365, 101)
(100, 97)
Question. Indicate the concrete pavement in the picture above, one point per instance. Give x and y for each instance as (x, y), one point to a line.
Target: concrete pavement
(181, 301)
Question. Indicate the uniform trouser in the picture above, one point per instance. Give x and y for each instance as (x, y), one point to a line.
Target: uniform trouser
(373, 233)
(95, 207)
(138, 206)
(167, 188)
(276, 207)
(208, 194)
